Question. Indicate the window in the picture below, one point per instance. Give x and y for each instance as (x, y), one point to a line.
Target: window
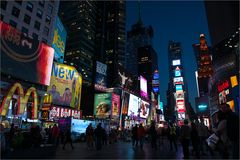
(15, 12)
(50, 8)
(19, 1)
(12, 23)
(45, 31)
(3, 5)
(48, 19)
(24, 30)
(27, 19)
(44, 40)
(35, 36)
(39, 13)
(41, 3)
(37, 25)
(29, 6)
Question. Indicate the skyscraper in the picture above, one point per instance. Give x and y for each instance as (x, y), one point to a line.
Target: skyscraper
(35, 18)
(139, 36)
(177, 93)
(110, 37)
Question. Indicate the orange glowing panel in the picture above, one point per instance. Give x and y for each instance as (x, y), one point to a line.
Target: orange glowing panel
(234, 81)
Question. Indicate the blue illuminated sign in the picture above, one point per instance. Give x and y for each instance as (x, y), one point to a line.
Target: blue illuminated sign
(202, 106)
(177, 73)
(179, 87)
(155, 89)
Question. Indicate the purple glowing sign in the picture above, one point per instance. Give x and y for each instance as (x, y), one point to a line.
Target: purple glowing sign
(143, 87)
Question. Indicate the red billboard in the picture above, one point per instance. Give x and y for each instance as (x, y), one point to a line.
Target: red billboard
(24, 57)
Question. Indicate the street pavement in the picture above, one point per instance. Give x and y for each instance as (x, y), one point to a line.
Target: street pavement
(119, 150)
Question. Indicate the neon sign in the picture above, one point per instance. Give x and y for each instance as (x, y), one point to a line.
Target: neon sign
(22, 100)
(223, 86)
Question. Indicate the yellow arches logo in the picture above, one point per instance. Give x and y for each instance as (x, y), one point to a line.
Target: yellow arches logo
(22, 100)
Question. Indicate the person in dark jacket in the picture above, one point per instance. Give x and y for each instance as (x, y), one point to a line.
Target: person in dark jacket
(184, 138)
(135, 136)
(153, 134)
(195, 139)
(68, 138)
(98, 132)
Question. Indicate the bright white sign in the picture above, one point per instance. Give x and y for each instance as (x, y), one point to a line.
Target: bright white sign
(178, 80)
(176, 62)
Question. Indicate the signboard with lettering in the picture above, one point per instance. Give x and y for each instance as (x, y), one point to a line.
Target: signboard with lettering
(65, 87)
(177, 80)
(59, 40)
(101, 76)
(24, 57)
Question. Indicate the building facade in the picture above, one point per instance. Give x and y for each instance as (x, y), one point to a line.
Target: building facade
(35, 18)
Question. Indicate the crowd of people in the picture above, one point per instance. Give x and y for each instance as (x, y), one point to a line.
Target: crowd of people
(193, 133)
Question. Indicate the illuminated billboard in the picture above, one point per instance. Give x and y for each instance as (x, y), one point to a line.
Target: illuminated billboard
(177, 80)
(115, 105)
(144, 109)
(125, 103)
(66, 85)
(180, 94)
(177, 72)
(24, 57)
(176, 62)
(102, 105)
(179, 87)
(60, 112)
(133, 105)
(59, 40)
(181, 116)
(101, 76)
(180, 105)
(143, 87)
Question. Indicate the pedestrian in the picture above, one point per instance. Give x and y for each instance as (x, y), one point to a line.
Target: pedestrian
(153, 135)
(195, 139)
(232, 127)
(89, 134)
(98, 135)
(141, 135)
(135, 136)
(172, 136)
(184, 138)
(104, 138)
(221, 132)
(55, 134)
(203, 135)
(67, 137)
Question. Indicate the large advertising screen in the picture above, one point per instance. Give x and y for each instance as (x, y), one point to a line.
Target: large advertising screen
(101, 76)
(80, 126)
(144, 109)
(177, 80)
(102, 105)
(59, 40)
(24, 57)
(179, 87)
(125, 103)
(66, 85)
(143, 87)
(176, 62)
(115, 105)
(133, 105)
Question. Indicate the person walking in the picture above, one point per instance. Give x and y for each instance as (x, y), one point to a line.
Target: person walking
(232, 128)
(90, 134)
(135, 136)
(153, 134)
(67, 137)
(98, 132)
(55, 135)
(195, 139)
(184, 138)
(141, 135)
(203, 134)
(172, 136)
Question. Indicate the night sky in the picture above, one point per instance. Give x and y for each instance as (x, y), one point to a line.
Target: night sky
(178, 21)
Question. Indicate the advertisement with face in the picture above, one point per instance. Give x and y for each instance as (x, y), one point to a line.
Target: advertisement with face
(125, 103)
(65, 87)
(133, 105)
(101, 76)
(59, 40)
(102, 105)
(143, 87)
(179, 95)
(24, 57)
(144, 109)
(115, 105)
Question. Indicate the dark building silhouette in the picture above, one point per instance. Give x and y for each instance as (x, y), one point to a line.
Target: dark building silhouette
(147, 64)
(223, 19)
